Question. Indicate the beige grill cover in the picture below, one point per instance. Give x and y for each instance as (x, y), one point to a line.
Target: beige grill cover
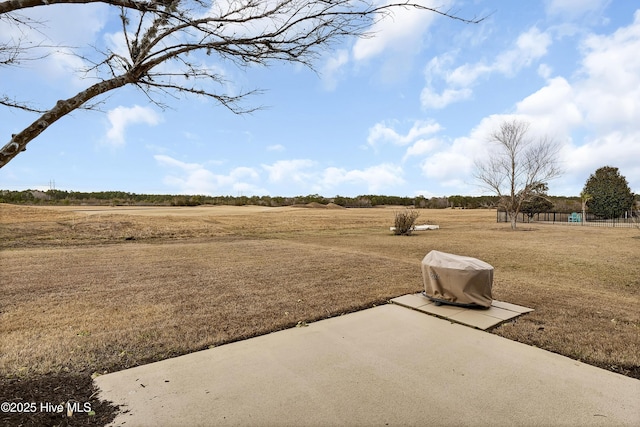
(457, 279)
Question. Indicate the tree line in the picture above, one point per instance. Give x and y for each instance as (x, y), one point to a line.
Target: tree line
(122, 198)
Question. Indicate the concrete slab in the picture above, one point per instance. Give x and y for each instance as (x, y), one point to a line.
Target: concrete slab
(384, 366)
(475, 320)
(499, 313)
(445, 311)
(511, 307)
(412, 300)
(484, 319)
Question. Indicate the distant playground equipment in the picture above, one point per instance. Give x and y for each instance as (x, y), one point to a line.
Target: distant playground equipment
(575, 217)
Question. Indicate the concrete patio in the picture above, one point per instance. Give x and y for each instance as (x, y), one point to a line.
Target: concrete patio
(388, 365)
(484, 319)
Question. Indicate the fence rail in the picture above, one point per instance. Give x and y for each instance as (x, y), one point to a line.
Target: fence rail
(573, 219)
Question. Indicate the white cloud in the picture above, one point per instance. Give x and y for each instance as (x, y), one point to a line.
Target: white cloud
(63, 63)
(117, 43)
(165, 160)
(306, 173)
(552, 108)
(529, 46)
(194, 178)
(121, 117)
(467, 74)
(53, 37)
(453, 165)
(610, 89)
(382, 133)
(401, 31)
(189, 178)
(545, 71)
(593, 115)
(439, 65)
(276, 147)
(297, 170)
(610, 149)
(573, 8)
(376, 178)
(333, 67)
(422, 147)
(191, 136)
(62, 25)
(432, 100)
(601, 106)
(399, 36)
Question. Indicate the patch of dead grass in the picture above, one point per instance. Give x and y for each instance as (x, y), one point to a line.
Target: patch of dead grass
(121, 305)
(78, 297)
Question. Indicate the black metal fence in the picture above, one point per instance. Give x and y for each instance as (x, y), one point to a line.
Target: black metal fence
(629, 220)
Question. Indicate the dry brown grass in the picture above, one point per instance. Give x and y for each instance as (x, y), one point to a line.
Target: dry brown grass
(78, 296)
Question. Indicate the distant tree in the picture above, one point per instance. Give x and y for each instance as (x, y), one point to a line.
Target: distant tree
(340, 200)
(488, 201)
(610, 194)
(537, 203)
(420, 201)
(584, 199)
(565, 204)
(362, 202)
(520, 167)
(458, 201)
(167, 43)
(438, 203)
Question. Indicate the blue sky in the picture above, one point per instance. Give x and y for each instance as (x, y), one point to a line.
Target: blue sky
(403, 113)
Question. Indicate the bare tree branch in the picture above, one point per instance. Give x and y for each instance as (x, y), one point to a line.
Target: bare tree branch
(14, 5)
(19, 49)
(167, 43)
(12, 103)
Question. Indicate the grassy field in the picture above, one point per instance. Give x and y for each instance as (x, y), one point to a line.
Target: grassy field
(93, 290)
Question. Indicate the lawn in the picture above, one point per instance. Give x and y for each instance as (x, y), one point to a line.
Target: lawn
(92, 290)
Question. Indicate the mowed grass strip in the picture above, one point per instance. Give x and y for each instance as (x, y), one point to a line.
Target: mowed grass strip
(78, 300)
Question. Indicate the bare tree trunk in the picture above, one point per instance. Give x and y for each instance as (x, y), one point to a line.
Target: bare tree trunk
(20, 140)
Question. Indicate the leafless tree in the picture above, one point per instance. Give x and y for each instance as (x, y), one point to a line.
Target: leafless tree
(519, 168)
(165, 38)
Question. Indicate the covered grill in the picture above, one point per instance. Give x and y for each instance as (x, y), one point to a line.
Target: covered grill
(457, 280)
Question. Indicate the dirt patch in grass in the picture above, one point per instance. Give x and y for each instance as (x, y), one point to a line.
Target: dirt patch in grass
(79, 298)
(56, 389)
